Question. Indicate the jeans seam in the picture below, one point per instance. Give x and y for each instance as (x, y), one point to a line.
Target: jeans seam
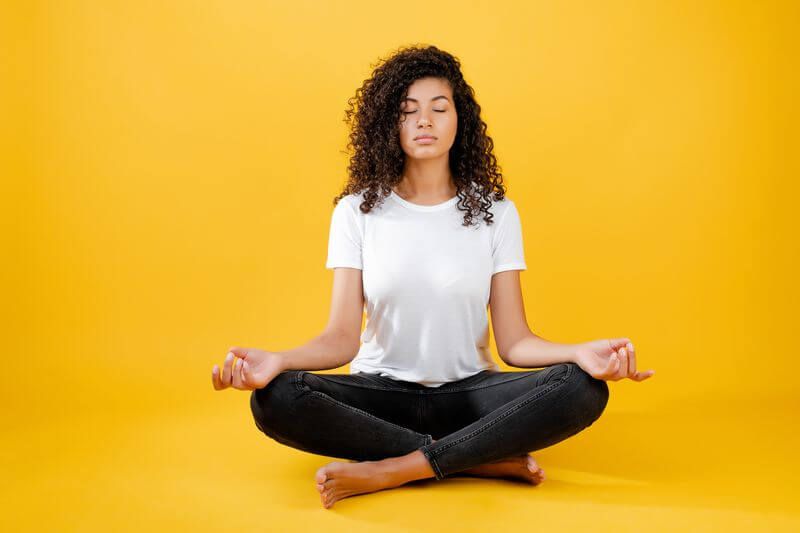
(496, 419)
(337, 403)
(432, 460)
(298, 380)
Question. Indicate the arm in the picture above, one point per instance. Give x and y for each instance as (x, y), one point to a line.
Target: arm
(602, 358)
(535, 352)
(330, 349)
(338, 344)
(516, 343)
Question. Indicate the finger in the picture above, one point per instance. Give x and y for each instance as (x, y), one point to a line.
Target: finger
(243, 374)
(641, 376)
(246, 374)
(618, 372)
(226, 369)
(611, 368)
(237, 374)
(623, 366)
(617, 365)
(242, 353)
(631, 359)
(608, 373)
(616, 344)
(215, 378)
(240, 377)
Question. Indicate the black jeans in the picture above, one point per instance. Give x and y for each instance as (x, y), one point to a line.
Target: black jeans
(482, 418)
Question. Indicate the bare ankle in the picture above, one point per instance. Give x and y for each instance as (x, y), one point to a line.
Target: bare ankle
(399, 470)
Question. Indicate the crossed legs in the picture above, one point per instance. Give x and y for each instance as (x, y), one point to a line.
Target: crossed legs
(488, 427)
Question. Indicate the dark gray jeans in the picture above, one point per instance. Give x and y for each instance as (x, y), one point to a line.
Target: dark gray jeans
(482, 418)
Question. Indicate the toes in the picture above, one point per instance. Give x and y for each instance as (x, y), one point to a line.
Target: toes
(536, 470)
(327, 499)
(326, 486)
(322, 475)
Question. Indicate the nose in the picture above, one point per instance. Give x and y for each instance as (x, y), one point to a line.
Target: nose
(423, 119)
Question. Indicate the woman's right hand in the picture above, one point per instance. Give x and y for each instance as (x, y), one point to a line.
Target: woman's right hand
(255, 371)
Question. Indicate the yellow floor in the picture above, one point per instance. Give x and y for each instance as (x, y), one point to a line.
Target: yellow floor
(697, 467)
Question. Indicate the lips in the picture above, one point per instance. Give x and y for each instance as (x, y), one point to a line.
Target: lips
(424, 137)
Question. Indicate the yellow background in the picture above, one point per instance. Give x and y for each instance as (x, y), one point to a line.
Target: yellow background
(168, 172)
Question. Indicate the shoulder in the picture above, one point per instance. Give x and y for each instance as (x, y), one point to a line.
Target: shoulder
(350, 202)
(501, 208)
(349, 208)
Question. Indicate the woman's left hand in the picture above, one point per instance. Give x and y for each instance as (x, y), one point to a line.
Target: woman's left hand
(610, 359)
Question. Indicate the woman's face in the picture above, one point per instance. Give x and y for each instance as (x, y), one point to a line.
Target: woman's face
(428, 109)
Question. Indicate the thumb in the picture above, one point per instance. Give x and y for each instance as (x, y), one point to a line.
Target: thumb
(242, 353)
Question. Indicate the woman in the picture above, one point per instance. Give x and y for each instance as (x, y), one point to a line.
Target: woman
(423, 397)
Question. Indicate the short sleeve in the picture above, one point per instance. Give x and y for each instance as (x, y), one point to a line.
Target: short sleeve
(507, 247)
(344, 238)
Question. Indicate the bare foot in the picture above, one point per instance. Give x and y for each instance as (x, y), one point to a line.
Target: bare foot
(337, 480)
(522, 467)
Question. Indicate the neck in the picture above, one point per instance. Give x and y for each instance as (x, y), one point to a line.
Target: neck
(427, 179)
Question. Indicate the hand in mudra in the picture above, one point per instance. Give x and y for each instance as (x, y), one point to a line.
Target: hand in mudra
(610, 359)
(256, 369)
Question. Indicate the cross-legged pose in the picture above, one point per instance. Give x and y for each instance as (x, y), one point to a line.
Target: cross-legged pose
(425, 241)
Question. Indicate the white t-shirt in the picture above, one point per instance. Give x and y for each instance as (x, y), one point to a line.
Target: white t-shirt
(426, 281)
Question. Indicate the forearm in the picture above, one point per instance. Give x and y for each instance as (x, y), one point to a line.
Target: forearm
(535, 352)
(324, 352)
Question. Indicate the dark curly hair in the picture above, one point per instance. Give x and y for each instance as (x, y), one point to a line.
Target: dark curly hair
(374, 117)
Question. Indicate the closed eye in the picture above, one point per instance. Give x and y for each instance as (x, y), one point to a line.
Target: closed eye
(437, 110)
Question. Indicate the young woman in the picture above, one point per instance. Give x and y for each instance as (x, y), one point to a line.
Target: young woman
(424, 236)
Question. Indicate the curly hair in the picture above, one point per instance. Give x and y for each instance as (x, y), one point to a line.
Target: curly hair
(374, 115)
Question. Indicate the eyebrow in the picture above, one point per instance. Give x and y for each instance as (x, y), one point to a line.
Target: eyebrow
(432, 99)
